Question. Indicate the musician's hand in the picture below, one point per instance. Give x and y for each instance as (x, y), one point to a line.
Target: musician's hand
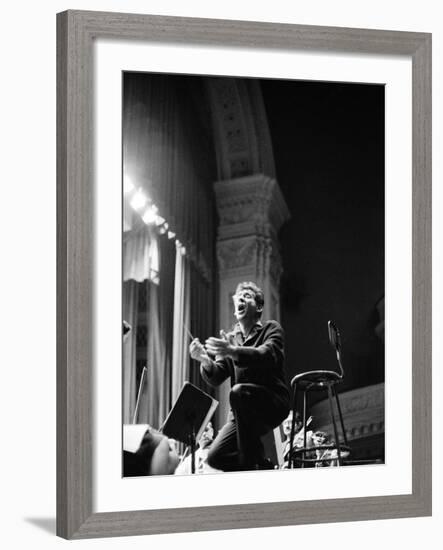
(198, 351)
(220, 347)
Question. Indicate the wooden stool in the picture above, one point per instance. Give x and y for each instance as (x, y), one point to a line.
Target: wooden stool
(319, 380)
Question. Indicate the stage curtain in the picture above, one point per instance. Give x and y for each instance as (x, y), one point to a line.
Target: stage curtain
(181, 339)
(160, 322)
(148, 259)
(141, 259)
(130, 314)
(140, 264)
(182, 299)
(168, 152)
(202, 321)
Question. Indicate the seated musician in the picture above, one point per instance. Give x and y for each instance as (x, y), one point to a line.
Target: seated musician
(298, 435)
(201, 455)
(326, 457)
(147, 452)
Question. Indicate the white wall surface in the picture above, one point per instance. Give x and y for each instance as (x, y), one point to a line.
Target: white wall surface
(27, 302)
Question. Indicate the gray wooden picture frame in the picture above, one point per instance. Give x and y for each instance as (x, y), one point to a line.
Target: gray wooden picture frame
(76, 31)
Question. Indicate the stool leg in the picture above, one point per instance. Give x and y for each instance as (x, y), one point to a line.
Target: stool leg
(331, 408)
(304, 427)
(291, 441)
(345, 439)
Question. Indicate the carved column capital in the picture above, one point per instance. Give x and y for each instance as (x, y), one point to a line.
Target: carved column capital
(252, 205)
(251, 211)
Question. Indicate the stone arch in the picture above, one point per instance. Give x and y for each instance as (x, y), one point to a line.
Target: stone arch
(241, 134)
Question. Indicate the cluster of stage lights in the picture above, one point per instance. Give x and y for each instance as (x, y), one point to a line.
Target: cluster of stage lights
(147, 210)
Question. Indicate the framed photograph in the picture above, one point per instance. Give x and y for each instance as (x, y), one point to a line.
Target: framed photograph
(251, 202)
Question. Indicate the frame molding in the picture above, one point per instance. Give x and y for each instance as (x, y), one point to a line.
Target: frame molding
(76, 31)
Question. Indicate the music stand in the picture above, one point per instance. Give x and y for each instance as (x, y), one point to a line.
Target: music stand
(189, 416)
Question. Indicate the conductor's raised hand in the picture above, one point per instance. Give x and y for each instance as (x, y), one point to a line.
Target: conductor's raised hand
(198, 352)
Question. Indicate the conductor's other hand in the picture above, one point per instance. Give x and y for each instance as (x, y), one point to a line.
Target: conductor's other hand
(198, 352)
(228, 336)
(221, 347)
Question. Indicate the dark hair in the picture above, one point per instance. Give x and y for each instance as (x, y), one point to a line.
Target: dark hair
(258, 292)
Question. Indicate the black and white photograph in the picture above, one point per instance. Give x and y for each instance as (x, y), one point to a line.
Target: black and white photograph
(253, 274)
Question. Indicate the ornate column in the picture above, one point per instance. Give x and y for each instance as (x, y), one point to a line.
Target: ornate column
(251, 211)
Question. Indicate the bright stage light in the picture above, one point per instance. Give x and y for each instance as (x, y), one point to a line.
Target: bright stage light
(138, 201)
(150, 215)
(171, 234)
(128, 186)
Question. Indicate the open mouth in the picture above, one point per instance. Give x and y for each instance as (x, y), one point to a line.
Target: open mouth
(241, 308)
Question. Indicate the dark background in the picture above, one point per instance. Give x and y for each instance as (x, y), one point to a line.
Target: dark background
(328, 141)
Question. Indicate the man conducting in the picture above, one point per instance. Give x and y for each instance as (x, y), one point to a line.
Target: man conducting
(252, 356)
